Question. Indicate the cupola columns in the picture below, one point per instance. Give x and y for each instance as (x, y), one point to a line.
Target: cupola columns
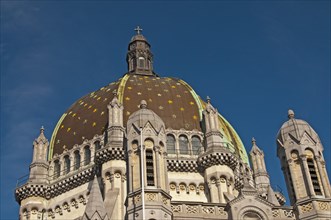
(139, 57)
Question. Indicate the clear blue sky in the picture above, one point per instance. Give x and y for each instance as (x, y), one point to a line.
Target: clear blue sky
(254, 59)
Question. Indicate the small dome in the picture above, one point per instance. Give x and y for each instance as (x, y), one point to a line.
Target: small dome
(296, 128)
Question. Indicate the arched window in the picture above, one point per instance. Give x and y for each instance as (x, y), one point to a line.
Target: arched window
(196, 145)
(149, 168)
(141, 62)
(252, 216)
(87, 155)
(77, 160)
(57, 169)
(66, 164)
(171, 144)
(97, 145)
(312, 172)
(183, 144)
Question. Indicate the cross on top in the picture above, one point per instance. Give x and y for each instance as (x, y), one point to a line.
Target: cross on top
(138, 30)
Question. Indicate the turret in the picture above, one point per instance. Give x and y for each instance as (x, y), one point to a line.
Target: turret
(217, 161)
(115, 122)
(261, 177)
(139, 56)
(39, 165)
(301, 154)
(148, 182)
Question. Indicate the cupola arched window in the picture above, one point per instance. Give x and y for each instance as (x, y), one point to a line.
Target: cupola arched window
(312, 172)
(171, 144)
(150, 167)
(87, 155)
(183, 144)
(196, 145)
(141, 62)
(57, 169)
(97, 145)
(77, 160)
(66, 164)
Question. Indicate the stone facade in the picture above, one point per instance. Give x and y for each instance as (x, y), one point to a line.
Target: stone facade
(112, 158)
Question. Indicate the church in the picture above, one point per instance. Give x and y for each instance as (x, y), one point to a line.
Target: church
(149, 147)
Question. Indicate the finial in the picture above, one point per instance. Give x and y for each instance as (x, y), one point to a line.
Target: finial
(115, 93)
(143, 104)
(208, 99)
(138, 30)
(42, 129)
(253, 141)
(290, 114)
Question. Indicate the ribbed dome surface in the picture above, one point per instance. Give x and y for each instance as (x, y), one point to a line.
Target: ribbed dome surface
(296, 128)
(173, 100)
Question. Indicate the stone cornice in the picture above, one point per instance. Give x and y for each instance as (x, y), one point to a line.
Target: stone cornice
(209, 159)
(56, 188)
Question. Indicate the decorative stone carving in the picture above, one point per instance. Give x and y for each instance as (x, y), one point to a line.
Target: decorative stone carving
(208, 210)
(151, 196)
(324, 206)
(306, 207)
(275, 213)
(192, 209)
(176, 208)
(221, 211)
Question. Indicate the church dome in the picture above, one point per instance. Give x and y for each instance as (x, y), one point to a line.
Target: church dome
(172, 99)
(295, 128)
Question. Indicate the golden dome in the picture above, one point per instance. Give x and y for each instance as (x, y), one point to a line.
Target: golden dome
(172, 99)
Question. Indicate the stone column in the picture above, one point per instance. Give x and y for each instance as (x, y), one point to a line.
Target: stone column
(220, 193)
(157, 166)
(323, 176)
(293, 177)
(309, 185)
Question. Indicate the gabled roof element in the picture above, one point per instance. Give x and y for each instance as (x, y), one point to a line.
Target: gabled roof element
(95, 208)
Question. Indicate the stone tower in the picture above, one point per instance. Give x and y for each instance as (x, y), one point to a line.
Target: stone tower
(148, 182)
(301, 155)
(217, 161)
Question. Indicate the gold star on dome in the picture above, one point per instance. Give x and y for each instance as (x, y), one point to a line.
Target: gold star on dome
(90, 107)
(85, 104)
(62, 126)
(185, 91)
(149, 89)
(95, 110)
(195, 117)
(178, 84)
(78, 118)
(157, 85)
(159, 94)
(163, 82)
(191, 103)
(161, 107)
(129, 87)
(81, 103)
(74, 133)
(128, 113)
(108, 89)
(94, 124)
(58, 141)
(182, 109)
(70, 112)
(127, 98)
(174, 116)
(150, 100)
(68, 129)
(73, 115)
(85, 121)
(138, 93)
(170, 101)
(102, 113)
(173, 87)
(166, 90)
(105, 99)
(99, 98)
(139, 84)
(178, 96)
